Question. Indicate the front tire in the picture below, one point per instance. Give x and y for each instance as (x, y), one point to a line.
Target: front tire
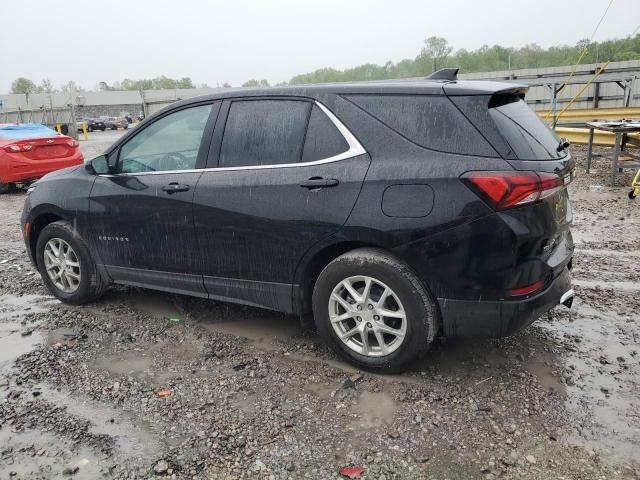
(66, 265)
(4, 188)
(373, 310)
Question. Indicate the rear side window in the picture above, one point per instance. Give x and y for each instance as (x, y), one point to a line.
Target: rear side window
(430, 121)
(323, 139)
(264, 132)
(522, 129)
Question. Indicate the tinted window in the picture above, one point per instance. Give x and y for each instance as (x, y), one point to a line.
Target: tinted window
(264, 132)
(323, 139)
(430, 121)
(522, 128)
(170, 143)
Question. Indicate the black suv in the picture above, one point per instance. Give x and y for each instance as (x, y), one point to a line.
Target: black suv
(391, 212)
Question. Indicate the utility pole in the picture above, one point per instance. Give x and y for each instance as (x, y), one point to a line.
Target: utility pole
(73, 130)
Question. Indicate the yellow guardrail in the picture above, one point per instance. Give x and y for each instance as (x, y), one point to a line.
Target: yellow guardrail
(581, 135)
(591, 114)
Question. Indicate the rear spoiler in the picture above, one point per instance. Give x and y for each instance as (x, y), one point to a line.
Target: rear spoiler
(484, 87)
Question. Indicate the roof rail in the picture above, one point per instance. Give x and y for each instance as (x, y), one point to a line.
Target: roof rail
(450, 74)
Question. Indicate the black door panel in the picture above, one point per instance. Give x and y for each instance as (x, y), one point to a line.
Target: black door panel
(138, 225)
(257, 224)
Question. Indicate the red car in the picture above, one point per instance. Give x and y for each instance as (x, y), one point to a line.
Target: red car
(30, 151)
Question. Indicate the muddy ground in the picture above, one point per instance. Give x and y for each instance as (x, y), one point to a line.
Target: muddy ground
(250, 394)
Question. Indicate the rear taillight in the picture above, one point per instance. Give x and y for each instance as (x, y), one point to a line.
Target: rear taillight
(73, 143)
(504, 190)
(18, 147)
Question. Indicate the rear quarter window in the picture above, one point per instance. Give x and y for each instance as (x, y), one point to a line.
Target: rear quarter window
(323, 139)
(430, 121)
(523, 129)
(514, 130)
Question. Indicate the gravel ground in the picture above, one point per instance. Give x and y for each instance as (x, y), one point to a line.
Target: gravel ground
(149, 385)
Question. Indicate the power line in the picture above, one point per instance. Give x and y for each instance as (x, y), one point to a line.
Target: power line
(600, 22)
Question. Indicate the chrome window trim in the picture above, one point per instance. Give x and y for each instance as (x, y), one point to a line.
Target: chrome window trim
(355, 149)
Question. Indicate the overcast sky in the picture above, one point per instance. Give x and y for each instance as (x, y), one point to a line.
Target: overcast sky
(234, 40)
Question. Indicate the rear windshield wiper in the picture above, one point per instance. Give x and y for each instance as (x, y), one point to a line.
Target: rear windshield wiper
(562, 145)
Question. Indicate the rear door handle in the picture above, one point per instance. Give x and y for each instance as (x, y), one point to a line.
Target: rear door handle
(174, 187)
(319, 182)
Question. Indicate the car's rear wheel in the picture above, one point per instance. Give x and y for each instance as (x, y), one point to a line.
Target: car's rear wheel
(5, 187)
(372, 309)
(66, 265)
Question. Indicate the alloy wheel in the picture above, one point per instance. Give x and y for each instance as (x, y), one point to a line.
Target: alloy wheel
(368, 316)
(62, 265)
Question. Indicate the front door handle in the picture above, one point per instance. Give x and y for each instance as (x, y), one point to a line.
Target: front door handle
(319, 182)
(174, 187)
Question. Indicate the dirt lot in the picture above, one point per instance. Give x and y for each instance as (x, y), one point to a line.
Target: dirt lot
(252, 395)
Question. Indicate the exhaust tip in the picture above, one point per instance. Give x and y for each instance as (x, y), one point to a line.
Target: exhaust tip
(567, 298)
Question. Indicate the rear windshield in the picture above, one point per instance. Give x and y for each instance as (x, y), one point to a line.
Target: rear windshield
(524, 131)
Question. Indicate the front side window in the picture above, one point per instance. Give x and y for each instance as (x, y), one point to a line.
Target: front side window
(170, 143)
(264, 132)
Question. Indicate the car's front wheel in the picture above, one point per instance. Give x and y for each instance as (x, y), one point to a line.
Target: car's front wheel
(372, 309)
(5, 187)
(66, 265)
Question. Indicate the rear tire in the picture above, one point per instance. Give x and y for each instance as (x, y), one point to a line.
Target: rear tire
(90, 285)
(5, 188)
(395, 313)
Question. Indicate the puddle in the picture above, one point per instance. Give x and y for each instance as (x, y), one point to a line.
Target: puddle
(602, 387)
(13, 307)
(374, 409)
(258, 325)
(36, 454)
(127, 363)
(258, 330)
(134, 438)
(156, 304)
(12, 311)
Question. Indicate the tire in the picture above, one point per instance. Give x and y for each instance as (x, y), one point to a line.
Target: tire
(90, 285)
(5, 188)
(383, 271)
(103, 129)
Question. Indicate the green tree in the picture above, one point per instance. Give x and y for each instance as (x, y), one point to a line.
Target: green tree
(437, 53)
(437, 49)
(24, 86)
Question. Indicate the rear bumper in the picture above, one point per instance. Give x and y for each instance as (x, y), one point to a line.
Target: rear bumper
(24, 169)
(499, 318)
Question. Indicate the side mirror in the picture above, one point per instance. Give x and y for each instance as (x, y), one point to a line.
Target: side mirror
(99, 165)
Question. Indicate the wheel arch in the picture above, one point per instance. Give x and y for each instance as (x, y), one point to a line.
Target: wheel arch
(310, 267)
(38, 220)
